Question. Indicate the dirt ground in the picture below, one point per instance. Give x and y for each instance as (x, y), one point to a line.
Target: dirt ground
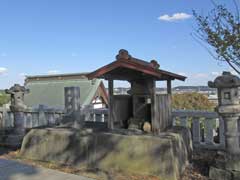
(197, 170)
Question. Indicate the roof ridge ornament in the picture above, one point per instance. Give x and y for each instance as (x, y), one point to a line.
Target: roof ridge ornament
(154, 64)
(123, 55)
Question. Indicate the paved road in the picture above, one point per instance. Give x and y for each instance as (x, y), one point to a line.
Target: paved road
(13, 170)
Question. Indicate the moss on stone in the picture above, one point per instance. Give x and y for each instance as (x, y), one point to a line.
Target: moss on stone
(165, 156)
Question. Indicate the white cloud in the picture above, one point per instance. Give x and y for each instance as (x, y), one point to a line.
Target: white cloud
(234, 72)
(23, 75)
(182, 73)
(175, 17)
(3, 70)
(200, 75)
(51, 72)
(220, 73)
(215, 73)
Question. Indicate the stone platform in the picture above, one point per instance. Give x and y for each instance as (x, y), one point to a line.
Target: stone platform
(226, 167)
(165, 155)
(223, 174)
(9, 138)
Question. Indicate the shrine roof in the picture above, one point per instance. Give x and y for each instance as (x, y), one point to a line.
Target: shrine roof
(126, 67)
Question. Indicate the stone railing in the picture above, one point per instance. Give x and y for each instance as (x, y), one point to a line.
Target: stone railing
(207, 127)
(32, 117)
(6, 118)
(97, 115)
(38, 117)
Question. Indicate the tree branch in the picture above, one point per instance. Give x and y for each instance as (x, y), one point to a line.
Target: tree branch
(230, 64)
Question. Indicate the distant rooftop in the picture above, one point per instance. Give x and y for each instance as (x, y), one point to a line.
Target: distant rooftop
(56, 77)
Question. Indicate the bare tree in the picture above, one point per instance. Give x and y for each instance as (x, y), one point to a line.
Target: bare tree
(220, 31)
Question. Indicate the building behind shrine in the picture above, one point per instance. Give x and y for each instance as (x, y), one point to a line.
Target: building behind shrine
(48, 90)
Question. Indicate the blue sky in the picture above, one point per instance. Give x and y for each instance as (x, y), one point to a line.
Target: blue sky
(69, 36)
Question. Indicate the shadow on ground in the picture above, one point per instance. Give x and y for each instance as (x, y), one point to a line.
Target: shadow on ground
(13, 170)
(5, 150)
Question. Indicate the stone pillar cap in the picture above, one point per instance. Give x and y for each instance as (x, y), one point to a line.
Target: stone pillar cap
(226, 80)
(16, 88)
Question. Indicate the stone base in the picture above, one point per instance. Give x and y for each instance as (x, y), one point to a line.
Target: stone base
(228, 162)
(13, 141)
(233, 163)
(223, 174)
(10, 138)
(165, 156)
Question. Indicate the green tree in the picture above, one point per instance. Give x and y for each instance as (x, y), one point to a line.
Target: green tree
(192, 101)
(4, 98)
(220, 31)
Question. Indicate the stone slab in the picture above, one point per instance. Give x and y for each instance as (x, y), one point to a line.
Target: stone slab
(236, 175)
(223, 174)
(219, 174)
(165, 155)
(233, 163)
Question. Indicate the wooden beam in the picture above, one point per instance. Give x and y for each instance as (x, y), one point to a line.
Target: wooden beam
(169, 87)
(154, 120)
(110, 108)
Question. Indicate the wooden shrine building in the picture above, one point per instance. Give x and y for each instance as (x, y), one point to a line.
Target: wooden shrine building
(142, 104)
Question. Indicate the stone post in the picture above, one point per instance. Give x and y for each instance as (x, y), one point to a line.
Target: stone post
(73, 106)
(42, 120)
(229, 110)
(209, 131)
(196, 130)
(18, 107)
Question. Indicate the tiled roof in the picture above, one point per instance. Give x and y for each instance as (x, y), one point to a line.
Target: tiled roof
(51, 92)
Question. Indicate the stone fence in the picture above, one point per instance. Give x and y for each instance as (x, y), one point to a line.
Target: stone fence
(96, 115)
(38, 117)
(32, 117)
(207, 127)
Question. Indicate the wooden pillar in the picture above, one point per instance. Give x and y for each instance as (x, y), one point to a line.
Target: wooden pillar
(155, 123)
(111, 99)
(169, 87)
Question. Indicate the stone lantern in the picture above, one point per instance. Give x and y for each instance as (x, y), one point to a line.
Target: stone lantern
(18, 107)
(229, 109)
